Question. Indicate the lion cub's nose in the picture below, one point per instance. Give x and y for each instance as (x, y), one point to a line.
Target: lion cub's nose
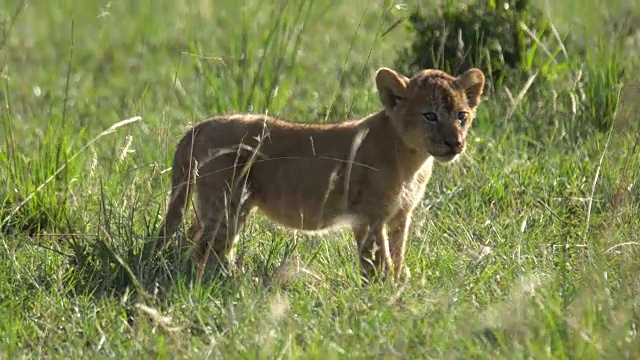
(455, 144)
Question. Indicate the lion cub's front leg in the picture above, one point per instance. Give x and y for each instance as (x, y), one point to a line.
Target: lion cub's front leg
(373, 250)
(398, 236)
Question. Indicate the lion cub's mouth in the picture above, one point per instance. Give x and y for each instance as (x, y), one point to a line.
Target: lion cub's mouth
(446, 158)
(447, 155)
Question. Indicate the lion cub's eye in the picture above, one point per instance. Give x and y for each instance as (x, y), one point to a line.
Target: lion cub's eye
(430, 116)
(462, 116)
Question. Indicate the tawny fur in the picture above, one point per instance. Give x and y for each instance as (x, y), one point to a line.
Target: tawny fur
(368, 174)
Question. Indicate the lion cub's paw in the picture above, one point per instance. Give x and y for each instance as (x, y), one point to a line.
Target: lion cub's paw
(405, 274)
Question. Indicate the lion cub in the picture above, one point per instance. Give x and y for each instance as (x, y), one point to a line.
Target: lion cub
(368, 174)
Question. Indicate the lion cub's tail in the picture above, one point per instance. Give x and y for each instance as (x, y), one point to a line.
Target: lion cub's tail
(184, 173)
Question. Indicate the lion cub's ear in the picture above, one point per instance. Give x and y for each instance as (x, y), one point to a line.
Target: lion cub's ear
(392, 87)
(472, 81)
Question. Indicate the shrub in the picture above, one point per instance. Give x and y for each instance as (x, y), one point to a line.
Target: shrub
(487, 34)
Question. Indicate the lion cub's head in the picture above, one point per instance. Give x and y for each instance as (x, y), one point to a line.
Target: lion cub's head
(433, 110)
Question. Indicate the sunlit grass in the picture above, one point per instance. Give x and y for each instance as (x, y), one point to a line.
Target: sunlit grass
(526, 248)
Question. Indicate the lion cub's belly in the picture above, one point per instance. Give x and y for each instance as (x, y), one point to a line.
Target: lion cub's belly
(302, 197)
(308, 221)
(303, 210)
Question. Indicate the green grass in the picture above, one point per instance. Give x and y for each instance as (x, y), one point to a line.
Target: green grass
(526, 248)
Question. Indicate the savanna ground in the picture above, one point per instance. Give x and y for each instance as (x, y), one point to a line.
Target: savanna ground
(525, 248)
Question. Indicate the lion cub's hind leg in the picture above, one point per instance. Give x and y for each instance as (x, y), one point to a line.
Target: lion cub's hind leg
(223, 204)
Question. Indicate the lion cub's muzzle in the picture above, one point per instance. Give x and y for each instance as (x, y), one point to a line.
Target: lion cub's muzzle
(450, 149)
(455, 145)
